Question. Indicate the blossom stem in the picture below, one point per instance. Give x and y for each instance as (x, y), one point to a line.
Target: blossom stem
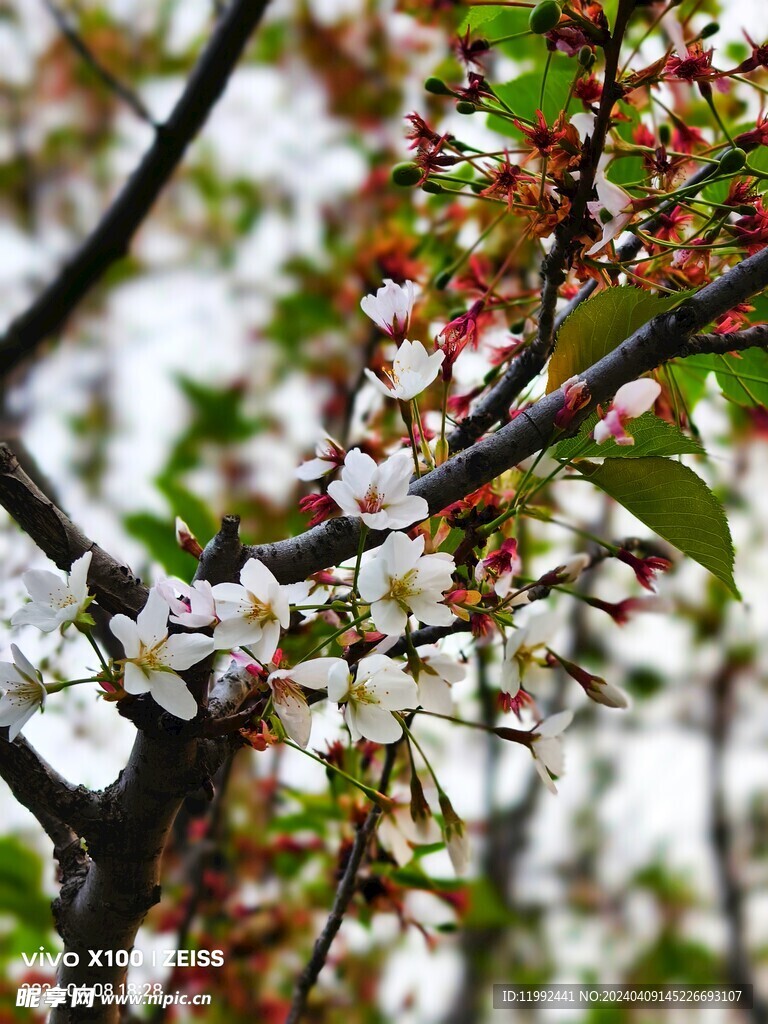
(412, 739)
(104, 664)
(407, 414)
(57, 687)
(424, 446)
(545, 517)
(358, 560)
(373, 794)
(334, 636)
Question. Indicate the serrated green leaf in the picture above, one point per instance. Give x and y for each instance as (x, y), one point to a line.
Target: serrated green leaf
(653, 436)
(744, 377)
(598, 326)
(676, 504)
(477, 16)
(523, 96)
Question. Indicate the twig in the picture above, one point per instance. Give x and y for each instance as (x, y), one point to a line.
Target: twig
(113, 83)
(344, 894)
(669, 336)
(110, 240)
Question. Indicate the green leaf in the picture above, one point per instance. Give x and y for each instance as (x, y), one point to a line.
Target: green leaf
(744, 377)
(653, 436)
(598, 326)
(676, 504)
(523, 96)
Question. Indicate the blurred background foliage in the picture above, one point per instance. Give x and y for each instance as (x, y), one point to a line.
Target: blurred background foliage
(194, 379)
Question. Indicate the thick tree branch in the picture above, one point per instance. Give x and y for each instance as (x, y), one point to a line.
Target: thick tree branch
(111, 238)
(44, 792)
(115, 586)
(665, 337)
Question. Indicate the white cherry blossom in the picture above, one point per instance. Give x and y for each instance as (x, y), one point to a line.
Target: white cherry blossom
(378, 494)
(329, 455)
(194, 608)
(521, 648)
(380, 686)
(629, 402)
(399, 833)
(547, 747)
(56, 602)
(252, 611)
(23, 693)
(390, 308)
(152, 656)
(413, 370)
(614, 201)
(437, 675)
(399, 579)
(289, 701)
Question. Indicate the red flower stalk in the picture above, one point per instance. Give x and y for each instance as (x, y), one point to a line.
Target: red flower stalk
(685, 138)
(456, 335)
(694, 67)
(471, 52)
(321, 506)
(568, 39)
(757, 59)
(458, 405)
(734, 319)
(505, 182)
(645, 569)
(669, 224)
(540, 135)
(752, 230)
(421, 134)
(588, 90)
(757, 136)
(476, 89)
(622, 611)
(576, 395)
(505, 702)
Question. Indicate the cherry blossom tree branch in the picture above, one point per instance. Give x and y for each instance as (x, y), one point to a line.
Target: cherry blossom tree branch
(111, 238)
(672, 335)
(554, 267)
(114, 584)
(44, 792)
(523, 369)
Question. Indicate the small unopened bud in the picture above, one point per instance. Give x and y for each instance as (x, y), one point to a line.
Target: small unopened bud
(442, 280)
(544, 17)
(665, 134)
(442, 451)
(585, 56)
(420, 812)
(186, 540)
(437, 87)
(433, 188)
(465, 107)
(406, 174)
(710, 30)
(455, 836)
(732, 160)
